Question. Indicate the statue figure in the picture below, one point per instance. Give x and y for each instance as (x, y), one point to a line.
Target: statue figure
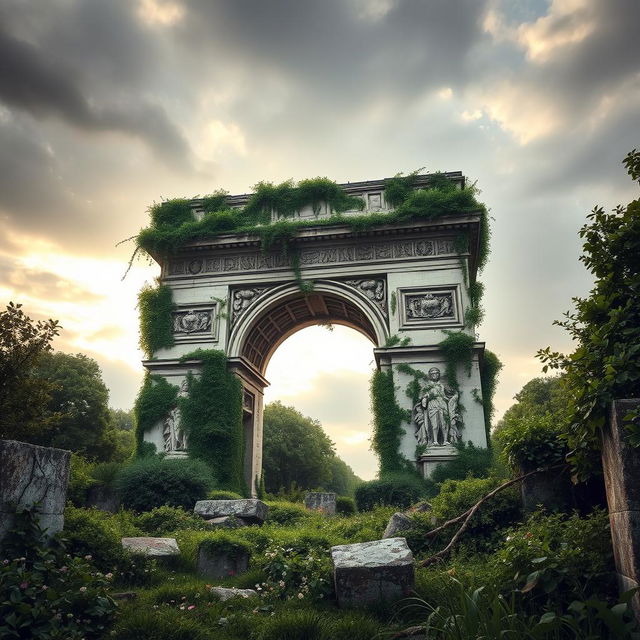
(174, 436)
(436, 414)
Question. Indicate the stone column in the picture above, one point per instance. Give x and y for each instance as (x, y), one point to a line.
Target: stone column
(32, 475)
(621, 465)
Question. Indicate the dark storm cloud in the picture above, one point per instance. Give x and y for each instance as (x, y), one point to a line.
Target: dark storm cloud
(45, 81)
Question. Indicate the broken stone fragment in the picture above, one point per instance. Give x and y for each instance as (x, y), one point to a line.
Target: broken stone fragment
(250, 510)
(320, 501)
(397, 522)
(155, 547)
(219, 564)
(225, 593)
(369, 572)
(226, 522)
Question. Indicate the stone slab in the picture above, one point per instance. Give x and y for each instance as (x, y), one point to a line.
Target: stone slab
(321, 501)
(155, 547)
(225, 593)
(397, 522)
(250, 510)
(33, 477)
(226, 522)
(216, 565)
(369, 572)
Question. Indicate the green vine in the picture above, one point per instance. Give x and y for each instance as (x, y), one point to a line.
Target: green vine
(212, 418)
(156, 306)
(489, 370)
(387, 423)
(155, 399)
(457, 348)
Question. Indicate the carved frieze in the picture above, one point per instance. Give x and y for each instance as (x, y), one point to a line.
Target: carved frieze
(430, 307)
(374, 288)
(311, 256)
(242, 299)
(194, 322)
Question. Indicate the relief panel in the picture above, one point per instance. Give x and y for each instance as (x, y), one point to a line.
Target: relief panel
(428, 307)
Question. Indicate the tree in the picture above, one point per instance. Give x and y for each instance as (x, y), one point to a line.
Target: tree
(606, 328)
(80, 398)
(24, 399)
(296, 449)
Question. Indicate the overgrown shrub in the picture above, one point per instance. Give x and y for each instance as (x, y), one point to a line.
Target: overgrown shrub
(531, 441)
(345, 505)
(154, 481)
(46, 593)
(163, 520)
(286, 513)
(398, 490)
(225, 543)
(303, 624)
(219, 494)
(558, 558)
(469, 461)
(80, 480)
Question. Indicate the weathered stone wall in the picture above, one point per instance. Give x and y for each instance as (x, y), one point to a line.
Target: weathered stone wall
(33, 476)
(621, 465)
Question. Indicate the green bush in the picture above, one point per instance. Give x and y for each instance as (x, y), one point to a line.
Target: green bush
(224, 543)
(345, 505)
(45, 593)
(531, 441)
(557, 558)
(163, 520)
(398, 490)
(469, 461)
(80, 480)
(286, 513)
(303, 624)
(219, 494)
(154, 481)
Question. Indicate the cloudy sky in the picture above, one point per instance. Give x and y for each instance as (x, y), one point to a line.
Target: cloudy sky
(109, 105)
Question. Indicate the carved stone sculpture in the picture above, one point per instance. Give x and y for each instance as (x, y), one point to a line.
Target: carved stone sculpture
(374, 289)
(243, 299)
(430, 306)
(192, 321)
(173, 435)
(436, 416)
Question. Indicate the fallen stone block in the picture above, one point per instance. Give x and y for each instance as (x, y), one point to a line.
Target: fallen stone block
(215, 564)
(369, 572)
(226, 522)
(250, 510)
(225, 594)
(155, 547)
(321, 501)
(397, 522)
(33, 477)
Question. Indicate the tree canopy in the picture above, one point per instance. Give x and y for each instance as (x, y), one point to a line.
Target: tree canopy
(297, 450)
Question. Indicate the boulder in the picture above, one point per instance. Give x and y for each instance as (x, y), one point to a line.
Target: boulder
(397, 522)
(250, 510)
(215, 564)
(369, 572)
(225, 594)
(33, 477)
(321, 501)
(155, 547)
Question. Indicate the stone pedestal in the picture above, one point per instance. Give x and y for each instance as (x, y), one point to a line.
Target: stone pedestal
(319, 501)
(154, 547)
(33, 476)
(369, 572)
(217, 564)
(621, 465)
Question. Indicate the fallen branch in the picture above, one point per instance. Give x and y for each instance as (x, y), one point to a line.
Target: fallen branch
(467, 515)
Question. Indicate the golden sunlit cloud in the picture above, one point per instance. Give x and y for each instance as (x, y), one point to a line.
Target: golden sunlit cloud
(160, 12)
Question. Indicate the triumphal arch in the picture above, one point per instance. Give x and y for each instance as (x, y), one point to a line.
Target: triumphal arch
(404, 284)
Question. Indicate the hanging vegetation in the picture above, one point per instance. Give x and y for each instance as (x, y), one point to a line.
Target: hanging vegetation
(155, 399)
(211, 416)
(155, 305)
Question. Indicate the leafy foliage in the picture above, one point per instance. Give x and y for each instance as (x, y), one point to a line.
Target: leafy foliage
(345, 505)
(457, 348)
(24, 397)
(45, 593)
(489, 370)
(80, 398)
(469, 461)
(387, 423)
(154, 481)
(606, 327)
(212, 417)
(155, 399)
(156, 330)
(161, 521)
(399, 490)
